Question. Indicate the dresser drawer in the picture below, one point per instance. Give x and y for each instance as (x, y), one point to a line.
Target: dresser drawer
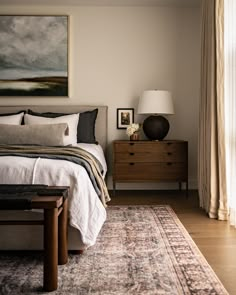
(161, 147)
(150, 157)
(150, 171)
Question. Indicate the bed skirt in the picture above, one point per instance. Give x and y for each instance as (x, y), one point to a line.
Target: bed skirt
(30, 237)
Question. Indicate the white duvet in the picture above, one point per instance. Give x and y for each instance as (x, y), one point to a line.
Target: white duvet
(86, 212)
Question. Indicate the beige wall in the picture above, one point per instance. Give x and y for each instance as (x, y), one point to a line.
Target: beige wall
(117, 52)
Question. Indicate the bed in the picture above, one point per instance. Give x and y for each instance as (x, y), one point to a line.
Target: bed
(87, 197)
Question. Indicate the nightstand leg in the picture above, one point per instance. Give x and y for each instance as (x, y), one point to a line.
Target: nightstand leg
(186, 189)
(114, 188)
(180, 186)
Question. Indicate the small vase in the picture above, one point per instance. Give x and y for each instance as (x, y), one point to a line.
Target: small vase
(134, 136)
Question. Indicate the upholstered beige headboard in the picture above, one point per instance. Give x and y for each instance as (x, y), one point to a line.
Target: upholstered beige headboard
(101, 122)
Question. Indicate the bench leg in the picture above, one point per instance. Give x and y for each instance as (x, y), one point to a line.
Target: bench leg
(62, 234)
(50, 249)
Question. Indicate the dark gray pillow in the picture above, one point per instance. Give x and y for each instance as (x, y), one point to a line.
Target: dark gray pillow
(86, 125)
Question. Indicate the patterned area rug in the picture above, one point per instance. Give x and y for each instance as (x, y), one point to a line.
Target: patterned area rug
(140, 250)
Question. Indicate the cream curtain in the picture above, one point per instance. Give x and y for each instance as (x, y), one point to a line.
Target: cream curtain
(230, 104)
(211, 149)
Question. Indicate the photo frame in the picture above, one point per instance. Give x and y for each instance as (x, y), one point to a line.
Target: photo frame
(124, 117)
(35, 55)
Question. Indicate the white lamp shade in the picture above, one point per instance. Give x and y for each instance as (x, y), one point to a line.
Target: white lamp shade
(156, 102)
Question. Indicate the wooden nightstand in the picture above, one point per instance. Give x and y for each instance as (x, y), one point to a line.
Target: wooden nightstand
(150, 161)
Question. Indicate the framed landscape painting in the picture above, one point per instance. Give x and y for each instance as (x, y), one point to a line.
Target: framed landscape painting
(33, 55)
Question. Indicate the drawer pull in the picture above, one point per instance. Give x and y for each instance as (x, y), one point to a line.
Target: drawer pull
(169, 154)
(131, 164)
(169, 163)
(131, 143)
(131, 154)
(169, 143)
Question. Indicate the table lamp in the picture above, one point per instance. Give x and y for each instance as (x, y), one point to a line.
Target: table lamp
(156, 102)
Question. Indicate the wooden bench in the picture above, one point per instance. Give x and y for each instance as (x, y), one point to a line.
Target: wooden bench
(53, 200)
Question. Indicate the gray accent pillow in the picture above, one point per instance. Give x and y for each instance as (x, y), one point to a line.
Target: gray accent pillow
(48, 134)
(86, 125)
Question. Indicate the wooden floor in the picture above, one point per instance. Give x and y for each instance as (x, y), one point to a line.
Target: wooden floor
(216, 239)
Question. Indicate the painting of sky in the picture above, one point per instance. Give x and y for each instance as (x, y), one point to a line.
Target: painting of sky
(33, 55)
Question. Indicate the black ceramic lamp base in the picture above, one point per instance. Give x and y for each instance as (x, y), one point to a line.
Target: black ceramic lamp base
(156, 127)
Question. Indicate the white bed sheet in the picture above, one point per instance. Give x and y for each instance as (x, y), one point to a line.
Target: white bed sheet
(86, 212)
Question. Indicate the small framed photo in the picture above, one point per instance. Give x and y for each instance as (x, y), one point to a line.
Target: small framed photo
(124, 118)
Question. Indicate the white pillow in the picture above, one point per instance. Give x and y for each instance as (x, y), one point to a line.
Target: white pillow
(12, 119)
(71, 120)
